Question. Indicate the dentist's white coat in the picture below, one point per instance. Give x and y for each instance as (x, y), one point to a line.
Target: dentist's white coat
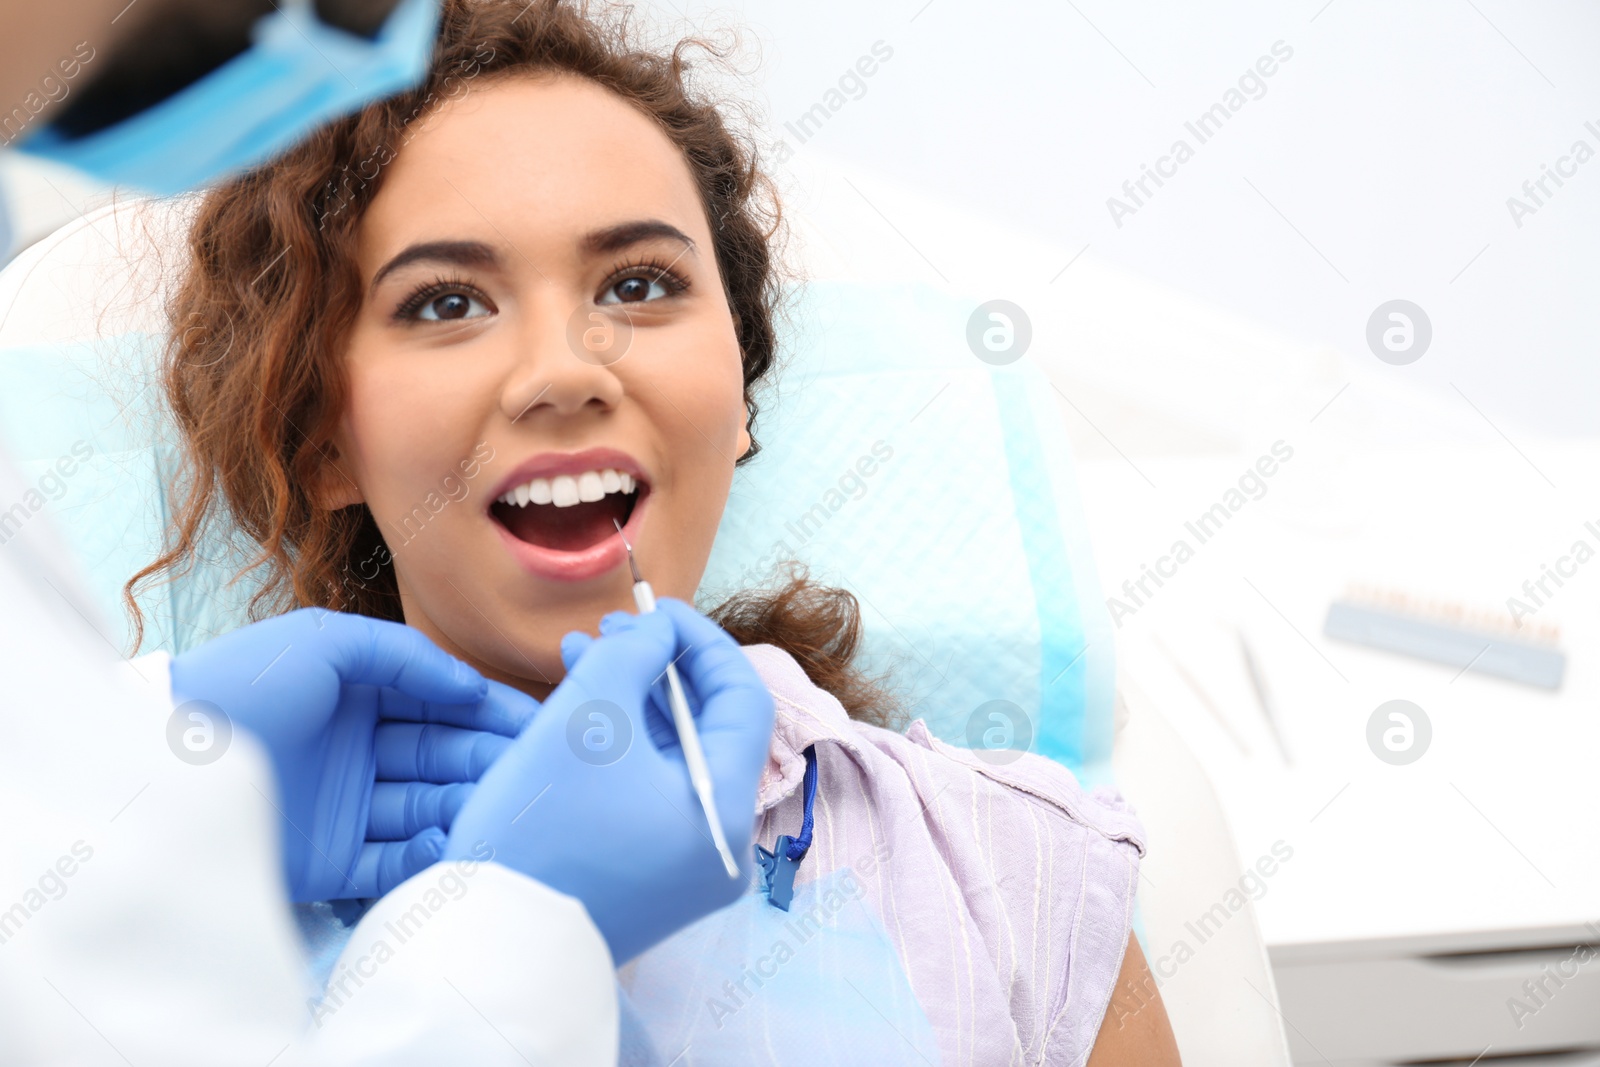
(141, 915)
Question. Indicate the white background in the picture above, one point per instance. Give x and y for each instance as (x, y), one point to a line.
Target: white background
(1390, 141)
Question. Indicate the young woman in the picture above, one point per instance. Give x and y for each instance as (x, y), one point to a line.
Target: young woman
(430, 358)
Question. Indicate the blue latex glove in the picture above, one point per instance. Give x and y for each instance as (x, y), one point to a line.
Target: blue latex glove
(373, 732)
(588, 803)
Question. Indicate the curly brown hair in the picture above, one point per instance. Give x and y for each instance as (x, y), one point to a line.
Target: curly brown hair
(253, 374)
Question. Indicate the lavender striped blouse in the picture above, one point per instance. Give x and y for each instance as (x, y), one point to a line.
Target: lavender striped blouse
(1006, 890)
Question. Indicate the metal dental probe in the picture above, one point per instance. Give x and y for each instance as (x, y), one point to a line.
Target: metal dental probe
(683, 721)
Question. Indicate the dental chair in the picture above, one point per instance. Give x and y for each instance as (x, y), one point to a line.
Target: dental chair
(902, 460)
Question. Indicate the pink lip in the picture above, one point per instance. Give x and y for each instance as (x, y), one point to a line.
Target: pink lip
(599, 558)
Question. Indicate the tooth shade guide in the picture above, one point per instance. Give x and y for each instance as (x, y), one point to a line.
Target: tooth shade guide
(1487, 621)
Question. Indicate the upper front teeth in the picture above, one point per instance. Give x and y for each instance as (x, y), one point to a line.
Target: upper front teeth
(565, 490)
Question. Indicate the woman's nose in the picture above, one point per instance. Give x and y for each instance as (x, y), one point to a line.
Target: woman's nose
(567, 361)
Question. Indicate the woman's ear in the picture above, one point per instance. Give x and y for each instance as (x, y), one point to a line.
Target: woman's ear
(744, 440)
(335, 487)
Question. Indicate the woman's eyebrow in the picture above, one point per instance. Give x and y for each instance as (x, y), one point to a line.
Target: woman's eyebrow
(462, 253)
(620, 236)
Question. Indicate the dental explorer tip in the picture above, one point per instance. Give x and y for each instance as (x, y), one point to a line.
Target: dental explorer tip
(632, 566)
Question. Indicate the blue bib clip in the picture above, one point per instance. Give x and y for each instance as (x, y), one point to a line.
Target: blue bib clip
(778, 867)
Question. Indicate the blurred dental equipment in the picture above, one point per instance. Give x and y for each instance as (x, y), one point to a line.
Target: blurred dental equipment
(1448, 634)
(1258, 683)
(1202, 696)
(683, 721)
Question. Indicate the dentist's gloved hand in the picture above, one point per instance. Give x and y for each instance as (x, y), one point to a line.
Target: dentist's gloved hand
(586, 802)
(375, 734)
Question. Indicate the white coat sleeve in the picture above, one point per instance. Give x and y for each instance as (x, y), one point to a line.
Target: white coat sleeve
(470, 962)
(142, 914)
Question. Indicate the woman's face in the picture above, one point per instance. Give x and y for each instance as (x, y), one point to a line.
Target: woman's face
(543, 326)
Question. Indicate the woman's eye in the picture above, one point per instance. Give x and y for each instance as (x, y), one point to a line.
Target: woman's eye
(447, 307)
(635, 289)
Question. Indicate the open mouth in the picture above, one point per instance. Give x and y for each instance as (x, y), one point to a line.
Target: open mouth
(569, 512)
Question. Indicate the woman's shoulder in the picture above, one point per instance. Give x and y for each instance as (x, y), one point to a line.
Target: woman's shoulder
(1044, 783)
(921, 768)
(1007, 887)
